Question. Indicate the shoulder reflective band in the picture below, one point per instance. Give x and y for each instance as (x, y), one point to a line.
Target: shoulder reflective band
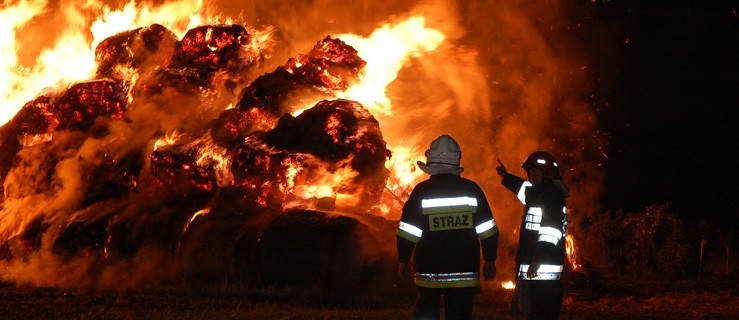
(533, 219)
(486, 229)
(545, 272)
(551, 235)
(449, 205)
(410, 232)
(447, 280)
(522, 192)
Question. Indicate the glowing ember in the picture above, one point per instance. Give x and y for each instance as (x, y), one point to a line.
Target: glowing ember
(201, 212)
(508, 285)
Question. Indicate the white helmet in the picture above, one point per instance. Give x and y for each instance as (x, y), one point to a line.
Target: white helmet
(443, 156)
(444, 150)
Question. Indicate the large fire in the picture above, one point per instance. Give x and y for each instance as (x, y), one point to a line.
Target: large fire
(133, 124)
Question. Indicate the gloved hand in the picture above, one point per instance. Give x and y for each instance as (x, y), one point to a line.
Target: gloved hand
(488, 270)
(533, 271)
(501, 169)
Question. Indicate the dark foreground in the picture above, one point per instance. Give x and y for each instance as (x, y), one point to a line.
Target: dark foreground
(224, 303)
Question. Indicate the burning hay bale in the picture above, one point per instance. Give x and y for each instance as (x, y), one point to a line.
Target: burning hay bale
(340, 132)
(219, 244)
(262, 171)
(89, 236)
(332, 130)
(234, 125)
(332, 138)
(174, 167)
(205, 50)
(140, 49)
(35, 118)
(112, 178)
(205, 192)
(331, 65)
(190, 168)
(83, 103)
(204, 54)
(311, 248)
(76, 108)
(9, 146)
(34, 168)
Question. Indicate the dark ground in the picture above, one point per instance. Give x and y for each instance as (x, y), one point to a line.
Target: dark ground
(686, 300)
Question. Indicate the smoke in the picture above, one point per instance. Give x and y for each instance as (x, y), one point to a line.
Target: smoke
(504, 84)
(507, 82)
(534, 80)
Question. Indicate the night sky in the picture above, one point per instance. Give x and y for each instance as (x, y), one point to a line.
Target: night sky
(665, 84)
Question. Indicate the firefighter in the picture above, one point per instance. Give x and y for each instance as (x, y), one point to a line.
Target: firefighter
(541, 245)
(444, 220)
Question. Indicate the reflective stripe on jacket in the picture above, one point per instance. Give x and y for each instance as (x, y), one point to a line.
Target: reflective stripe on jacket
(444, 220)
(543, 227)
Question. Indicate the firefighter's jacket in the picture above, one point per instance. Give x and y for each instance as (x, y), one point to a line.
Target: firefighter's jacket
(445, 219)
(543, 227)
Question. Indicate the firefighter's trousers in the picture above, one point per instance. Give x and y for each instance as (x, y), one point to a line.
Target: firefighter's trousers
(546, 299)
(457, 303)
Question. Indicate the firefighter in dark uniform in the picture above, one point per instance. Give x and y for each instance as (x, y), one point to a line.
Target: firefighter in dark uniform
(445, 219)
(541, 245)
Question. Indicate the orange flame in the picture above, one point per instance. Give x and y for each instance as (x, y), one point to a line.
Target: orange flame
(386, 50)
(293, 168)
(321, 184)
(19, 84)
(167, 140)
(403, 176)
(32, 140)
(571, 251)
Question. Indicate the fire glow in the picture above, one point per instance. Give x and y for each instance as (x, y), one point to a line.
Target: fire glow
(128, 60)
(386, 50)
(20, 83)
